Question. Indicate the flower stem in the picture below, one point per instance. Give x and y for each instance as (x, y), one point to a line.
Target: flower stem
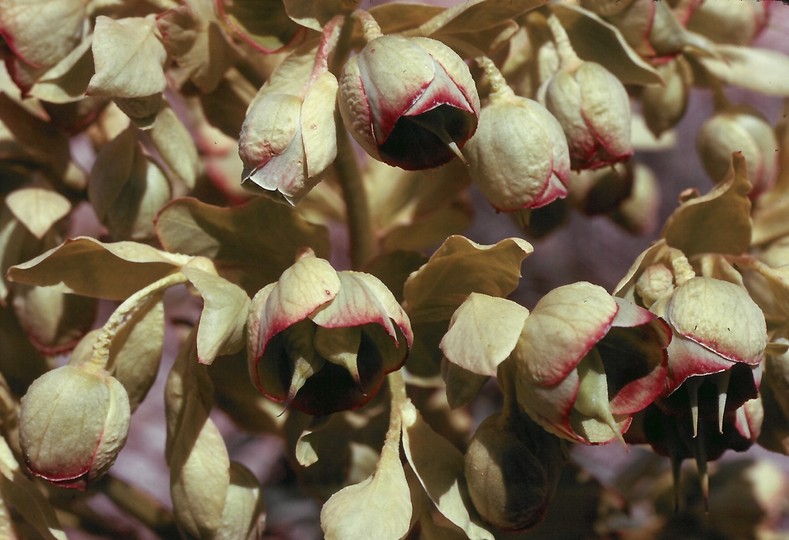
(139, 504)
(569, 60)
(101, 348)
(370, 27)
(360, 230)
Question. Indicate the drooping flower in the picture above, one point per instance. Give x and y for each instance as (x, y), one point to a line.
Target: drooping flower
(518, 157)
(586, 362)
(417, 116)
(321, 340)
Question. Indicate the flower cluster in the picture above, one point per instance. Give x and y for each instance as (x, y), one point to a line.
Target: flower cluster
(304, 172)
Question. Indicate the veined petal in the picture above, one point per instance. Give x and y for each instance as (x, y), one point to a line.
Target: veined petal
(563, 327)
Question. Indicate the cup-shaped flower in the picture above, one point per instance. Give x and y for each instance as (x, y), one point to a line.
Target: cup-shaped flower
(739, 129)
(518, 158)
(593, 108)
(288, 139)
(586, 362)
(322, 340)
(719, 336)
(417, 116)
(73, 422)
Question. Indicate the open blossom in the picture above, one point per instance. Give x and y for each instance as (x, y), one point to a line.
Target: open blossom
(586, 362)
(583, 361)
(412, 116)
(321, 340)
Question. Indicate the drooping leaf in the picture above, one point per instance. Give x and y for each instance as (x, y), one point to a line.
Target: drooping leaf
(476, 15)
(196, 453)
(597, 41)
(718, 222)
(66, 81)
(225, 308)
(26, 498)
(462, 385)
(176, 146)
(439, 467)
(251, 244)
(483, 332)
(760, 70)
(89, 267)
(126, 188)
(128, 57)
(37, 208)
(39, 32)
(458, 268)
(378, 507)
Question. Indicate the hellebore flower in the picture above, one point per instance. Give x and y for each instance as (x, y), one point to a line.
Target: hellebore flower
(593, 108)
(417, 116)
(739, 129)
(586, 362)
(518, 157)
(73, 423)
(716, 328)
(288, 139)
(321, 340)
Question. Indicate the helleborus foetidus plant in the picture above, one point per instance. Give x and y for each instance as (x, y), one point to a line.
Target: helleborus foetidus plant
(119, 120)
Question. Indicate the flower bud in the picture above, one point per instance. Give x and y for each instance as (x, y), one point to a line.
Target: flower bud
(737, 23)
(593, 108)
(739, 129)
(417, 116)
(288, 140)
(73, 422)
(663, 105)
(518, 158)
(512, 468)
(321, 340)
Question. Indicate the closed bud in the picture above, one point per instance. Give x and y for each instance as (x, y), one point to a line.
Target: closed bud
(512, 467)
(737, 23)
(73, 422)
(739, 129)
(593, 108)
(518, 158)
(663, 105)
(417, 116)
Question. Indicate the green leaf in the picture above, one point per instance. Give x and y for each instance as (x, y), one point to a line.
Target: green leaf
(225, 309)
(126, 188)
(718, 222)
(25, 497)
(483, 332)
(378, 507)
(37, 208)
(439, 467)
(129, 58)
(761, 70)
(67, 81)
(251, 244)
(458, 268)
(89, 267)
(175, 146)
(595, 40)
